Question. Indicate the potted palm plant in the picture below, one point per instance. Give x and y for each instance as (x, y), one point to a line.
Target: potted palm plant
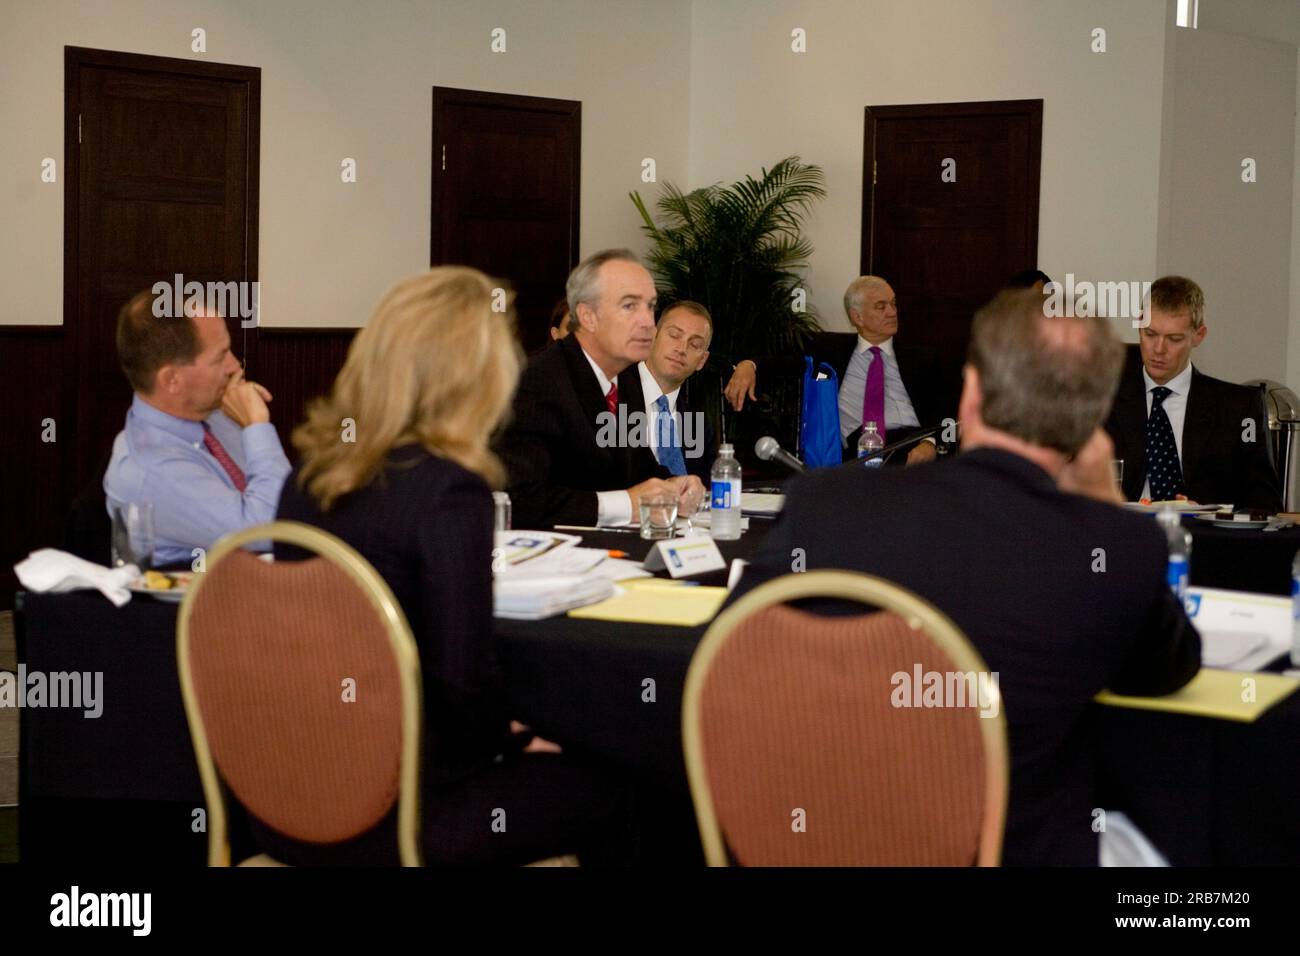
(738, 250)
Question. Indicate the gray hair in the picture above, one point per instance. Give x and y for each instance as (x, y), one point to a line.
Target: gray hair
(584, 280)
(1047, 381)
(853, 294)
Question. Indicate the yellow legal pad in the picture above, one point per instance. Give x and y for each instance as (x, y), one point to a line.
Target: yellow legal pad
(1215, 693)
(655, 601)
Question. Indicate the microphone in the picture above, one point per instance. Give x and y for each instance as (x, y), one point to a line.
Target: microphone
(769, 449)
(892, 447)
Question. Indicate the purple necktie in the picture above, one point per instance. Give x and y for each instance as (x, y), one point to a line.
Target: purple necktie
(873, 400)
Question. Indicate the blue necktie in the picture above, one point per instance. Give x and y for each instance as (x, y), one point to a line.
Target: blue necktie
(670, 449)
(1164, 471)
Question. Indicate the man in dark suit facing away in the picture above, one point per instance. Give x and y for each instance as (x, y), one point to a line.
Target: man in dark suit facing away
(573, 452)
(1179, 431)
(1021, 542)
(878, 378)
(681, 439)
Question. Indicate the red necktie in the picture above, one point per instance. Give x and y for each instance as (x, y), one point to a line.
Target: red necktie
(223, 458)
(611, 398)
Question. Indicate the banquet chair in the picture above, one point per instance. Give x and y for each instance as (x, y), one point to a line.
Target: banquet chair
(301, 684)
(801, 749)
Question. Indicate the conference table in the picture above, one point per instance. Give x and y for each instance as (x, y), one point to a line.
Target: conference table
(1207, 792)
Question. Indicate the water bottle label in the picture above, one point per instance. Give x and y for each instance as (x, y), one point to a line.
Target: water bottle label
(720, 496)
(1295, 598)
(873, 462)
(1177, 576)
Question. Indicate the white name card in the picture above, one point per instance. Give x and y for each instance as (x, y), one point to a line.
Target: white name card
(682, 557)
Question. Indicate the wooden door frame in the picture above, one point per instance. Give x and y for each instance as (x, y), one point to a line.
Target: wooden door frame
(444, 96)
(76, 57)
(1033, 109)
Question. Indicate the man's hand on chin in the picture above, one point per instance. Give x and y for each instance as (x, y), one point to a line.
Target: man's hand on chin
(245, 402)
(1090, 473)
(923, 451)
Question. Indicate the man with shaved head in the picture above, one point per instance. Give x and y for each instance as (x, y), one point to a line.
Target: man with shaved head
(1020, 540)
(898, 387)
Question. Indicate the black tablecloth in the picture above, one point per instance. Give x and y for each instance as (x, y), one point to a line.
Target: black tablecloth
(1205, 791)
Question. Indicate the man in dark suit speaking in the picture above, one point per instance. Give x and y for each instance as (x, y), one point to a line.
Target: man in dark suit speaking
(896, 386)
(572, 452)
(1181, 432)
(1021, 542)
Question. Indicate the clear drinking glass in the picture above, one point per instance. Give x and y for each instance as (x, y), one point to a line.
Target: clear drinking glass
(689, 505)
(658, 516)
(502, 502)
(133, 538)
(1117, 469)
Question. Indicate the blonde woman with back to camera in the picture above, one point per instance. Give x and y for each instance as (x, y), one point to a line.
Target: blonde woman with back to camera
(426, 382)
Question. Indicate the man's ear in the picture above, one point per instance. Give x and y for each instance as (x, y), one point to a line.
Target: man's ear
(586, 317)
(167, 380)
(703, 359)
(1199, 335)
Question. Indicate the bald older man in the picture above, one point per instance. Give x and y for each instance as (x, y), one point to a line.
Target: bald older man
(906, 388)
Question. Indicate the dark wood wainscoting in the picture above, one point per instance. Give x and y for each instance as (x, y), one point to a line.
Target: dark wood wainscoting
(296, 365)
(36, 476)
(32, 361)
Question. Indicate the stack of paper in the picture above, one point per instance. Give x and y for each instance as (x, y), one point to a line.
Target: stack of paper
(538, 574)
(1239, 630)
(531, 599)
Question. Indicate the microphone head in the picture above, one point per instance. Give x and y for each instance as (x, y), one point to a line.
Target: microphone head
(766, 447)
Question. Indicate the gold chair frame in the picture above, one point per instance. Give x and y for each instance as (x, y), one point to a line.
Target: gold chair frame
(886, 596)
(381, 598)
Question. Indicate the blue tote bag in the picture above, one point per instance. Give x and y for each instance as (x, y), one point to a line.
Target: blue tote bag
(819, 420)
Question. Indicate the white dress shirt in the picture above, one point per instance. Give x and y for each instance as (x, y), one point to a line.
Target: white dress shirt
(1175, 407)
(899, 412)
(652, 392)
(614, 506)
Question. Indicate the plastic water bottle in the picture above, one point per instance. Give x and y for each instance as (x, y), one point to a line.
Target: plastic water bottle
(870, 442)
(1295, 611)
(724, 495)
(1180, 551)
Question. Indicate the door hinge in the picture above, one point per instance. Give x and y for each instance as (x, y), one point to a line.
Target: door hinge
(444, 156)
(78, 129)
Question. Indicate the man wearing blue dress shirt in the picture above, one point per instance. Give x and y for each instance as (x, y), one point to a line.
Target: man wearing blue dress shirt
(679, 438)
(198, 445)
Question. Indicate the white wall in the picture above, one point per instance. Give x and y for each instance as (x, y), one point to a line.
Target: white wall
(1233, 97)
(1293, 330)
(754, 101)
(344, 78)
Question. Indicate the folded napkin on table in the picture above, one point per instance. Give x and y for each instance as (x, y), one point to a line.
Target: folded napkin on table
(53, 571)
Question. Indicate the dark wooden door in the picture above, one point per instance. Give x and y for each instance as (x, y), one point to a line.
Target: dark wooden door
(162, 180)
(505, 194)
(947, 243)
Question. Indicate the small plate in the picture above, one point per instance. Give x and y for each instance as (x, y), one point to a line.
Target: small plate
(1229, 523)
(173, 595)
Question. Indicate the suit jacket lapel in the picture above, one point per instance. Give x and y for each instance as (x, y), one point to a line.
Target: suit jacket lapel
(584, 381)
(1128, 423)
(1198, 420)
